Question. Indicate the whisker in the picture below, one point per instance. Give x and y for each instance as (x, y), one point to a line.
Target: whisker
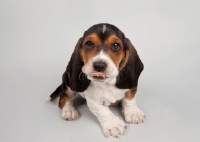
(79, 77)
(82, 77)
(121, 75)
(126, 74)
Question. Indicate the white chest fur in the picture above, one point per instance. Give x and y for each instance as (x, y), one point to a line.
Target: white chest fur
(104, 93)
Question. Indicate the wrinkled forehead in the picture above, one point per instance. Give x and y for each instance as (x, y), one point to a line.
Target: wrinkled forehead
(103, 31)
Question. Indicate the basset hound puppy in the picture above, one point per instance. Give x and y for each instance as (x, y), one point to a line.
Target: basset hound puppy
(104, 69)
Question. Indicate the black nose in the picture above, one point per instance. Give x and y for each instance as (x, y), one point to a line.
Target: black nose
(99, 66)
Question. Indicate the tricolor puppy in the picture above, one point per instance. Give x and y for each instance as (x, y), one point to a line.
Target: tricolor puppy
(104, 69)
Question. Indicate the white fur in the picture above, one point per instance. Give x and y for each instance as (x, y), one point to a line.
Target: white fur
(48, 99)
(105, 92)
(69, 112)
(110, 72)
(132, 113)
(99, 96)
(104, 28)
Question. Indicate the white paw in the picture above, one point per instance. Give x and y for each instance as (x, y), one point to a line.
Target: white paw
(113, 127)
(133, 115)
(105, 103)
(69, 113)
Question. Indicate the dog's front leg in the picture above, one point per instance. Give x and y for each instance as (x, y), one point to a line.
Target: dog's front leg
(110, 124)
(66, 104)
(132, 113)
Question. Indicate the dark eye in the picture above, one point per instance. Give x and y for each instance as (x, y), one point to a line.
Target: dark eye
(115, 47)
(89, 45)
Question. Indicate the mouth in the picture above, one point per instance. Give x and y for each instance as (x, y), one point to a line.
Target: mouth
(98, 75)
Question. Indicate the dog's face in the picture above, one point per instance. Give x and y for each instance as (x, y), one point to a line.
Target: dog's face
(103, 55)
(102, 52)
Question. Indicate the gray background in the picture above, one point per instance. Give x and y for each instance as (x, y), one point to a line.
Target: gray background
(37, 39)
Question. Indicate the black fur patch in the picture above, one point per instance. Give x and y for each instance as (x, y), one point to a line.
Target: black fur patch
(129, 75)
(73, 76)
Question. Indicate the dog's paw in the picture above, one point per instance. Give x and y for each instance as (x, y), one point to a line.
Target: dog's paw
(133, 115)
(113, 127)
(69, 113)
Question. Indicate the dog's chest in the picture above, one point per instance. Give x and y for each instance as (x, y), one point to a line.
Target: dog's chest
(104, 93)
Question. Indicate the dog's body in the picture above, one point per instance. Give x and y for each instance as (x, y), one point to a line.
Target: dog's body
(104, 68)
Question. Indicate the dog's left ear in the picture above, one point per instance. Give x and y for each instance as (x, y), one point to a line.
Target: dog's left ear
(73, 76)
(130, 68)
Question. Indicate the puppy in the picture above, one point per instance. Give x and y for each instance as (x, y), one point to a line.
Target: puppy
(104, 69)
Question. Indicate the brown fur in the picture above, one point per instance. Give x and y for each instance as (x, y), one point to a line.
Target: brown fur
(66, 96)
(115, 56)
(130, 94)
(85, 54)
(124, 60)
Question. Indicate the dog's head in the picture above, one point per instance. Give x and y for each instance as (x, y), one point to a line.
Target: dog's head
(103, 55)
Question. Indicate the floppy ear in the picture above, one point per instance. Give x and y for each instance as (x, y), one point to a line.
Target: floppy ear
(73, 76)
(131, 68)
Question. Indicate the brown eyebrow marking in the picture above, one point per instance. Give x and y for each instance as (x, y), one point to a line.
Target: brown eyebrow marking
(118, 56)
(86, 54)
(93, 38)
(112, 39)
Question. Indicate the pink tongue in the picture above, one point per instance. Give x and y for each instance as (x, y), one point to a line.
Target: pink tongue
(98, 74)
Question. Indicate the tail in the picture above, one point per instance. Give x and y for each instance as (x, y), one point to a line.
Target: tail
(55, 94)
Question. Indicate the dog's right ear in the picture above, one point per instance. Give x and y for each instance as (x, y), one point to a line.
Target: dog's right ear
(73, 76)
